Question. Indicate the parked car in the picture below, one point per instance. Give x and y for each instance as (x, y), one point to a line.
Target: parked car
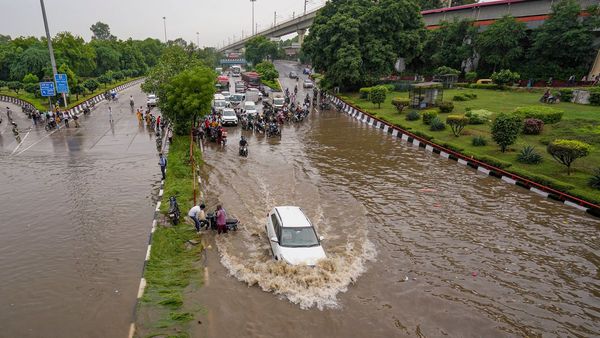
(152, 100)
(307, 84)
(293, 75)
(229, 117)
(292, 237)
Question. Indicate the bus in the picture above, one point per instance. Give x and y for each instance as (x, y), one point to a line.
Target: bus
(252, 79)
(236, 70)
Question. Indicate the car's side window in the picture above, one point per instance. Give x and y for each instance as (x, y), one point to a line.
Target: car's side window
(275, 224)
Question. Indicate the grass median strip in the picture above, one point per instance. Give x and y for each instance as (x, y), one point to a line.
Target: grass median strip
(174, 264)
(580, 122)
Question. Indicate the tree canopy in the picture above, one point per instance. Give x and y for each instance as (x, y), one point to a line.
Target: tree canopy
(356, 42)
(259, 48)
(101, 31)
(500, 45)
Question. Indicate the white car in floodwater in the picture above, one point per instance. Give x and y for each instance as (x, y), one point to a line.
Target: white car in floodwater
(292, 237)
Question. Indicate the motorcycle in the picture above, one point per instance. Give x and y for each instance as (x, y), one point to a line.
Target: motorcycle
(273, 130)
(174, 213)
(244, 151)
(259, 126)
(224, 138)
(231, 223)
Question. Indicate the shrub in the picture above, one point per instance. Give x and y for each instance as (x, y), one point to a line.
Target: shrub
(567, 151)
(364, 93)
(471, 96)
(478, 116)
(91, 84)
(413, 115)
(528, 155)
(595, 97)
(494, 161)
(546, 114)
(566, 94)
(505, 76)
(400, 104)
(32, 88)
(594, 181)
(457, 123)
(471, 76)
(484, 86)
(436, 124)
(533, 126)
(429, 115)
(462, 85)
(377, 95)
(15, 86)
(30, 78)
(505, 129)
(444, 70)
(446, 107)
(389, 87)
(460, 97)
(479, 141)
(423, 135)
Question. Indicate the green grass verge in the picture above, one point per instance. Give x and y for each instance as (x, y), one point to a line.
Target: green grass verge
(41, 103)
(580, 122)
(272, 84)
(172, 267)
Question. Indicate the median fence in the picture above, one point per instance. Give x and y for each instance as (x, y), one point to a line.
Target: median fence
(482, 167)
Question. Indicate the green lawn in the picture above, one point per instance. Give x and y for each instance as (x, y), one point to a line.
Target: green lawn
(41, 103)
(580, 122)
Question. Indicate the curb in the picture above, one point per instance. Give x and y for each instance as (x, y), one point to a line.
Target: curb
(482, 167)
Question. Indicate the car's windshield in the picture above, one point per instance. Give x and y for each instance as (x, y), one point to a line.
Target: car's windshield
(220, 103)
(237, 98)
(298, 237)
(228, 113)
(278, 100)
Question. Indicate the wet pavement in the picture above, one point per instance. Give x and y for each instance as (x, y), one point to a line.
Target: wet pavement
(417, 245)
(76, 210)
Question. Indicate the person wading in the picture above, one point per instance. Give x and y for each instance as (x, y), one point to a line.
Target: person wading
(197, 214)
(221, 220)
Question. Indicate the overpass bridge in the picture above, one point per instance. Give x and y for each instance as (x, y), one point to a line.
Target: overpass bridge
(532, 12)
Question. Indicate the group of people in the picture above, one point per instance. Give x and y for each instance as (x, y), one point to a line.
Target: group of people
(198, 215)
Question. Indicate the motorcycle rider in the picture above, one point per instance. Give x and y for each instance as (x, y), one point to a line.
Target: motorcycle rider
(243, 143)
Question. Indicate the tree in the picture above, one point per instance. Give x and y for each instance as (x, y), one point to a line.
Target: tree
(451, 45)
(78, 90)
(71, 77)
(567, 151)
(186, 96)
(356, 42)
(101, 31)
(429, 4)
(505, 77)
(500, 45)
(457, 123)
(73, 51)
(91, 85)
(378, 95)
(505, 129)
(34, 60)
(105, 79)
(107, 57)
(30, 78)
(259, 48)
(15, 85)
(173, 61)
(562, 45)
(267, 71)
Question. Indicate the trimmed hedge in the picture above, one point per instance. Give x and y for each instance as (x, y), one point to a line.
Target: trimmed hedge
(365, 92)
(400, 104)
(595, 97)
(566, 95)
(413, 115)
(446, 107)
(546, 114)
(479, 116)
(457, 123)
(484, 86)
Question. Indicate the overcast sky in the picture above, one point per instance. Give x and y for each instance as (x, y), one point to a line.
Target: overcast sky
(215, 20)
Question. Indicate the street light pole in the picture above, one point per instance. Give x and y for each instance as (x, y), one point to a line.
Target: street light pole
(198, 39)
(50, 49)
(165, 25)
(253, 31)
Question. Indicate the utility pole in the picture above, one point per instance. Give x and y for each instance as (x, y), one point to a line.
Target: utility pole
(165, 25)
(198, 39)
(274, 18)
(51, 50)
(305, 2)
(253, 31)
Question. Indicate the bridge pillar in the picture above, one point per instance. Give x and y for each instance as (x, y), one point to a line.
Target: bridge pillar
(301, 33)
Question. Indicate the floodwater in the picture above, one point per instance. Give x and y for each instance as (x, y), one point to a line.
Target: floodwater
(417, 245)
(76, 210)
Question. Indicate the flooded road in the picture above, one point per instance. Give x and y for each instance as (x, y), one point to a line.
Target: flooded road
(417, 245)
(76, 210)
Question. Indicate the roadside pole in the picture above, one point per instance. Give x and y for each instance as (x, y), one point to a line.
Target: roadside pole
(50, 49)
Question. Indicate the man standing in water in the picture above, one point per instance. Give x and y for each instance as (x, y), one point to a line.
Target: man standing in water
(197, 214)
(162, 162)
(110, 117)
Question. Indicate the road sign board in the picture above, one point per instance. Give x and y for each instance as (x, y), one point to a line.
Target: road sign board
(47, 88)
(62, 86)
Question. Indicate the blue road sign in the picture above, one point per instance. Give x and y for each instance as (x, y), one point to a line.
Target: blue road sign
(47, 88)
(62, 86)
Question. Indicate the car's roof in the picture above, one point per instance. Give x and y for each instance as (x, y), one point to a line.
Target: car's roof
(292, 217)
(151, 95)
(249, 103)
(228, 110)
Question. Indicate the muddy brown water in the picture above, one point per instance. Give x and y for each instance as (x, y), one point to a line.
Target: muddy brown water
(76, 210)
(417, 245)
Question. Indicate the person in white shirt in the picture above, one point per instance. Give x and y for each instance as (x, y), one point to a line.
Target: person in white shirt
(197, 214)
